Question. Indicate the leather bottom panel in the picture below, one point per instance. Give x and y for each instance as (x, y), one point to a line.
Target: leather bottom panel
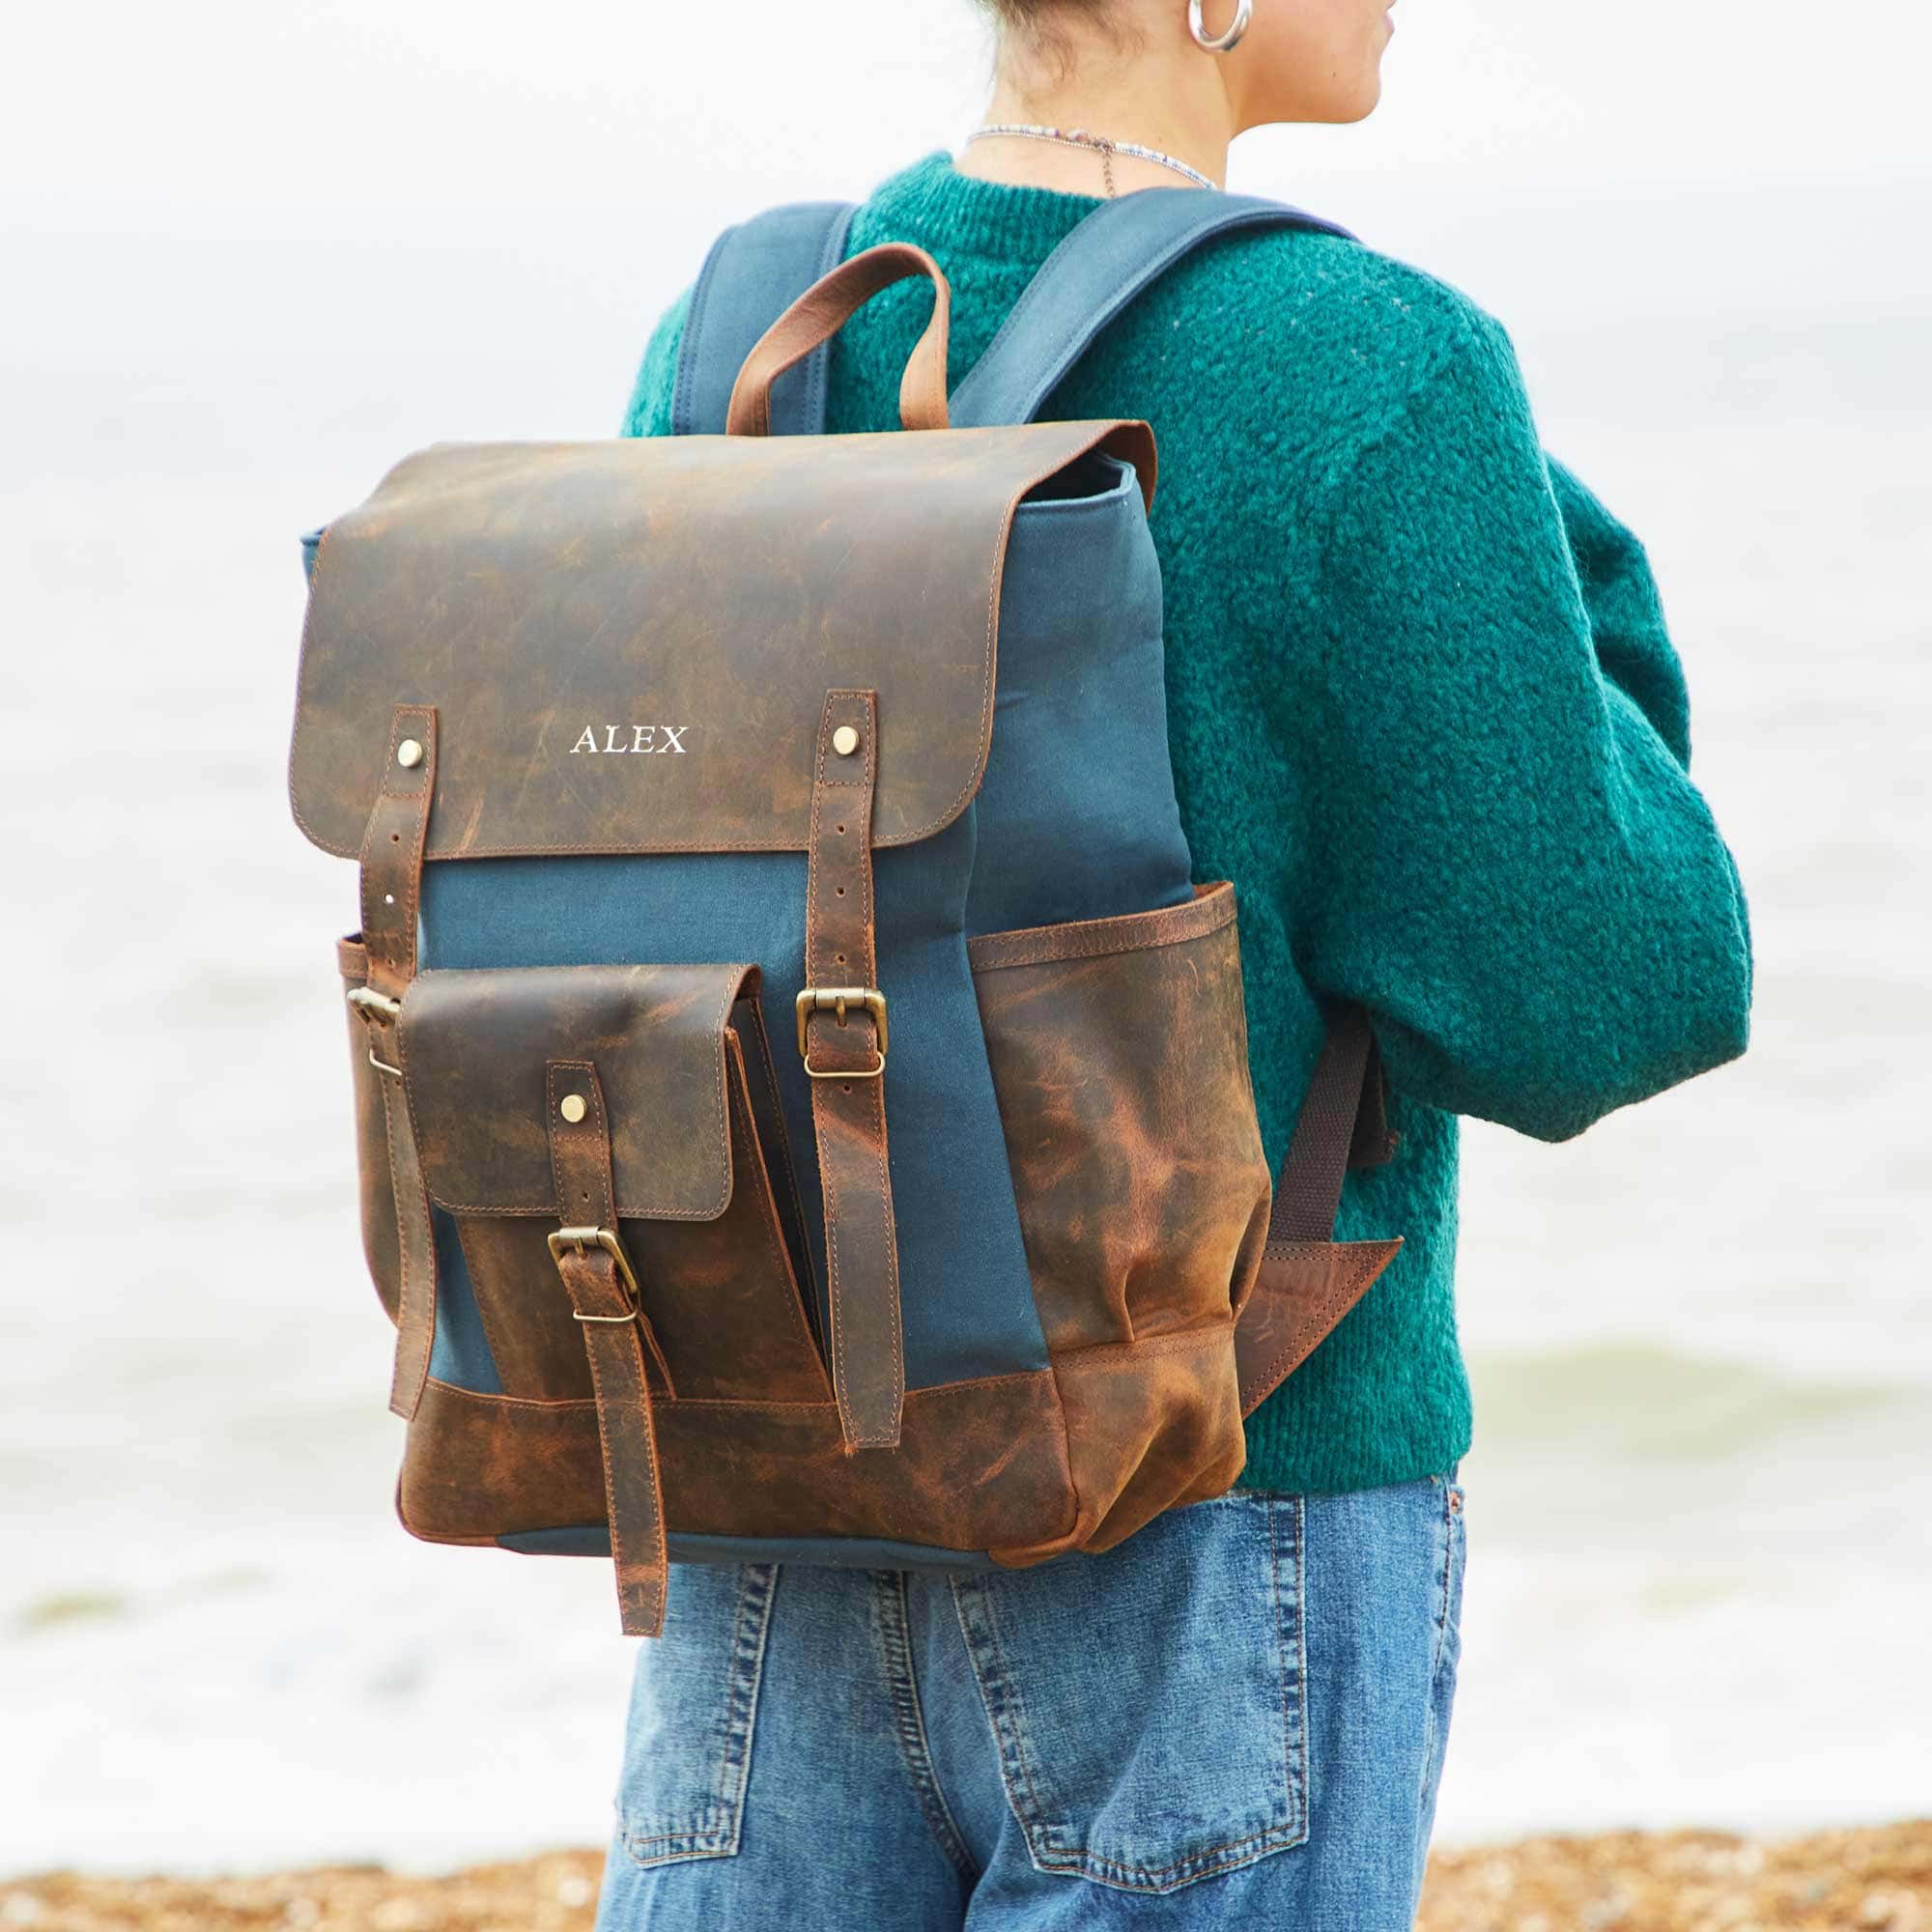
(1150, 1426)
(980, 1465)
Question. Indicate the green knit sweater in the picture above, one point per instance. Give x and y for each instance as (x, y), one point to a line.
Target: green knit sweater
(1423, 712)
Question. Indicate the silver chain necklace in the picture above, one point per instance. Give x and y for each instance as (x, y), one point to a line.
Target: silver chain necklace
(1100, 144)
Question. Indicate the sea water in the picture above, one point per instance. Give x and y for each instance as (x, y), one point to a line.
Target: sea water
(1701, 1335)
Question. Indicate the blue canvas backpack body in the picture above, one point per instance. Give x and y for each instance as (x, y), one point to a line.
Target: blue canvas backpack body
(801, 1089)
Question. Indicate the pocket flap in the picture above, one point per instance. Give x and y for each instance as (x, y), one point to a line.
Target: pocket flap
(473, 1046)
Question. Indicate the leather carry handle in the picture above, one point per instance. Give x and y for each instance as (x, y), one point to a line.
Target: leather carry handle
(818, 315)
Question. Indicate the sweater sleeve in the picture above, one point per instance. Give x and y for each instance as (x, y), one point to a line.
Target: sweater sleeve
(648, 411)
(1510, 867)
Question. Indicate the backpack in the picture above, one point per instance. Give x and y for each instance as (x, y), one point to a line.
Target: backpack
(724, 800)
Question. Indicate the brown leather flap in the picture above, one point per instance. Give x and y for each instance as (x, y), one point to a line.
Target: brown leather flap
(473, 1046)
(629, 643)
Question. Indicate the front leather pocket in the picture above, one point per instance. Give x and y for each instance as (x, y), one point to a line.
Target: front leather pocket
(1118, 1050)
(706, 1204)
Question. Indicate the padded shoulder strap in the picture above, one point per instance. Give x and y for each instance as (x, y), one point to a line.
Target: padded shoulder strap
(751, 277)
(1114, 253)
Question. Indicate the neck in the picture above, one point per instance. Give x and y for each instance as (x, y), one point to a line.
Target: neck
(1173, 101)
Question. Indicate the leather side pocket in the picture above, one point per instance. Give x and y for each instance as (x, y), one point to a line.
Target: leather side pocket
(1118, 1050)
(380, 1246)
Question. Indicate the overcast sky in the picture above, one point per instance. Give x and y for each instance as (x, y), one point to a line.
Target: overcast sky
(735, 101)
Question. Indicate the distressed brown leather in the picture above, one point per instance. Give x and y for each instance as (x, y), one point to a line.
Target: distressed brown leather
(536, 1346)
(1150, 1426)
(1308, 1281)
(381, 1247)
(980, 1463)
(475, 573)
(391, 888)
(848, 1114)
(617, 1335)
(681, 1051)
(1304, 1290)
(1118, 1050)
(473, 1045)
(724, 1296)
(821, 311)
(393, 836)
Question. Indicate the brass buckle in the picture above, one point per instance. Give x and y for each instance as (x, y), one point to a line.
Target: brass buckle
(606, 1240)
(839, 1000)
(378, 1009)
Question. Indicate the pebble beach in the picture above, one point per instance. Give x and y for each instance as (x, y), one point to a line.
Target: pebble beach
(1875, 1879)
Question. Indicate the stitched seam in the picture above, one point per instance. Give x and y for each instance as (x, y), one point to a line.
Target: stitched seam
(876, 1102)
(723, 1117)
(644, 1211)
(690, 344)
(1328, 1311)
(893, 1626)
(1299, 1734)
(1006, 1721)
(1188, 1342)
(738, 1402)
(992, 952)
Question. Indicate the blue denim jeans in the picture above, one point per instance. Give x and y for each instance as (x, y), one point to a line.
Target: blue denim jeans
(1234, 1719)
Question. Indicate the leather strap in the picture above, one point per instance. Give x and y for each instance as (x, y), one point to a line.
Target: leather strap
(846, 1059)
(617, 1335)
(1308, 1280)
(818, 315)
(753, 272)
(393, 860)
(1103, 263)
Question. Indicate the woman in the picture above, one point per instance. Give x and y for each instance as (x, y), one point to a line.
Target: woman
(1424, 713)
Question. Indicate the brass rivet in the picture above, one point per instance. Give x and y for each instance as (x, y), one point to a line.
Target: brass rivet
(844, 741)
(572, 1108)
(409, 754)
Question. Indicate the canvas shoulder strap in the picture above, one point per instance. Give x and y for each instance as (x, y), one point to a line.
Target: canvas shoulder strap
(754, 273)
(1116, 253)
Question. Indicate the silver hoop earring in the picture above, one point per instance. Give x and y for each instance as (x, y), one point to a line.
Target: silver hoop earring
(1221, 43)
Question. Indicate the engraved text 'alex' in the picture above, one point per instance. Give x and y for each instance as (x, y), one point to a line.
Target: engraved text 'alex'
(642, 738)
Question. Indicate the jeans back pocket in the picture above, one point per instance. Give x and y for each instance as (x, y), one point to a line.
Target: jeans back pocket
(693, 1707)
(1176, 1747)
